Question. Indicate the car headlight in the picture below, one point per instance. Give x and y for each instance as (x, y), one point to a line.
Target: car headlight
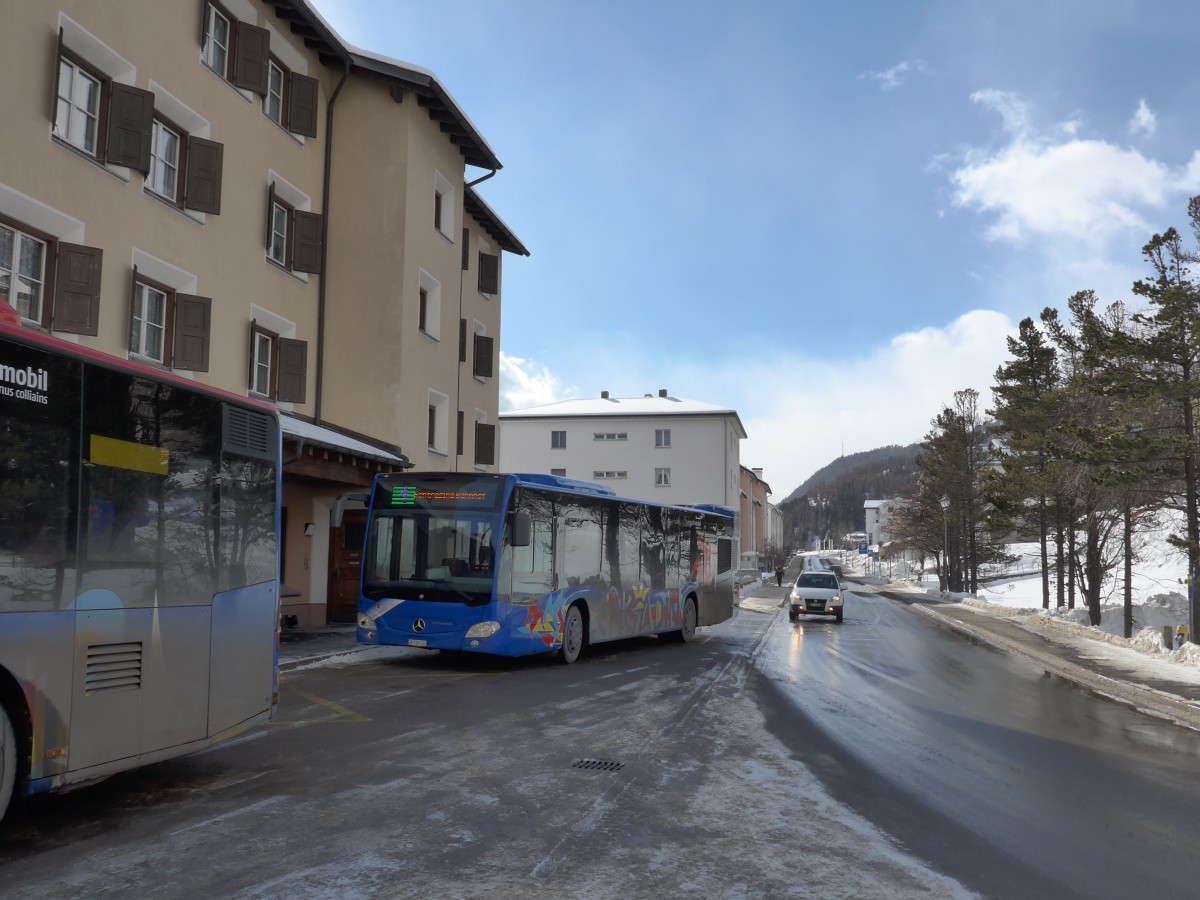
(483, 629)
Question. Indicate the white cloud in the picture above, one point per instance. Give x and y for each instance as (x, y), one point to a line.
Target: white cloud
(524, 383)
(1014, 112)
(1144, 122)
(801, 419)
(1080, 191)
(897, 74)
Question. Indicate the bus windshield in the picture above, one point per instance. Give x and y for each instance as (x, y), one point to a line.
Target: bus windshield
(433, 542)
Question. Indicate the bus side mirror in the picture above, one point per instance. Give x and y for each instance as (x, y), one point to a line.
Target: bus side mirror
(339, 507)
(522, 529)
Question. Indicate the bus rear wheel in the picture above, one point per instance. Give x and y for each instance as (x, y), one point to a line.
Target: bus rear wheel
(8, 761)
(572, 636)
(688, 631)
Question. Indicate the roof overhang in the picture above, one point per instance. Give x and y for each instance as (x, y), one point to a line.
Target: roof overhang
(306, 23)
(320, 436)
(499, 232)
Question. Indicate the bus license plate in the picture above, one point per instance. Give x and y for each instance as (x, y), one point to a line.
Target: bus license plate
(416, 642)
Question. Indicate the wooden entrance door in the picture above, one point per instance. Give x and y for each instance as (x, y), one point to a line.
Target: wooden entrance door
(345, 565)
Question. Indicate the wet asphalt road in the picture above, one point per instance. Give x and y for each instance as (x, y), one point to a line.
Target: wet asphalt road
(880, 757)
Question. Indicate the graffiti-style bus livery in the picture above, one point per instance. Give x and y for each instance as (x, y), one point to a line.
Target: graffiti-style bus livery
(520, 564)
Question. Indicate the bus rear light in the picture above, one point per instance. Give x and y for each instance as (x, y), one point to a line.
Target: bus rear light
(483, 629)
(365, 622)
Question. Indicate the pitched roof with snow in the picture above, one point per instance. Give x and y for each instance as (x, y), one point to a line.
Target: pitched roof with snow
(621, 407)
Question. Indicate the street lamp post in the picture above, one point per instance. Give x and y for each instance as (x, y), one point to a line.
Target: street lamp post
(946, 541)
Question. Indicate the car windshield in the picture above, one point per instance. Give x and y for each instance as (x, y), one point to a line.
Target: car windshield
(816, 580)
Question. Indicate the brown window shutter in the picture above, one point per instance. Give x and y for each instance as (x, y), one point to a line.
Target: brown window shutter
(253, 51)
(250, 358)
(203, 192)
(483, 356)
(193, 324)
(57, 73)
(302, 105)
(270, 215)
(306, 242)
(292, 380)
(459, 441)
(485, 444)
(77, 289)
(133, 282)
(466, 249)
(462, 340)
(130, 117)
(489, 273)
(203, 24)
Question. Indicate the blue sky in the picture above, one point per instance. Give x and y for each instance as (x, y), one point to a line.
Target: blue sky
(826, 216)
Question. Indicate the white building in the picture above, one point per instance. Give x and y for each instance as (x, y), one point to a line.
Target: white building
(878, 515)
(656, 447)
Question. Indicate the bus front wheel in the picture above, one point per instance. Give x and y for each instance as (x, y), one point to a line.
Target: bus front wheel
(8, 761)
(572, 636)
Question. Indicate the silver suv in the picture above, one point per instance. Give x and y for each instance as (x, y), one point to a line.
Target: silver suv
(815, 594)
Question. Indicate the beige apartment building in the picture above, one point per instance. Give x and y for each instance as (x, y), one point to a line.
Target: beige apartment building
(228, 191)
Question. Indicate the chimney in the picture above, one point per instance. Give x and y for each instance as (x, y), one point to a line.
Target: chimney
(604, 395)
(757, 473)
(662, 392)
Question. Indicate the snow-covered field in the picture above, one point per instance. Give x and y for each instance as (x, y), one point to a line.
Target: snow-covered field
(1160, 599)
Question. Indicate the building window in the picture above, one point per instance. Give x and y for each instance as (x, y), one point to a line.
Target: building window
(482, 366)
(281, 231)
(148, 322)
(443, 205)
(438, 422)
(278, 365)
(485, 441)
(290, 99)
(662, 477)
(608, 475)
(558, 440)
(294, 235)
(662, 437)
(562, 473)
(22, 272)
(51, 283)
(77, 118)
(165, 144)
(215, 50)
(97, 110)
(263, 364)
(272, 103)
(610, 436)
(429, 305)
(489, 273)
(167, 326)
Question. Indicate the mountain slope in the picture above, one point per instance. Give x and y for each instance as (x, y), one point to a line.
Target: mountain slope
(830, 503)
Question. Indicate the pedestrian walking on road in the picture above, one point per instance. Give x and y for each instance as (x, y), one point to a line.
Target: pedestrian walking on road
(779, 576)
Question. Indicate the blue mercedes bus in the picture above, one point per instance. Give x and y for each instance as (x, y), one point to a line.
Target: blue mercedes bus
(521, 564)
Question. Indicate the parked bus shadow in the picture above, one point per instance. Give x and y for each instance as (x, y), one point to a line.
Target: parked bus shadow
(466, 661)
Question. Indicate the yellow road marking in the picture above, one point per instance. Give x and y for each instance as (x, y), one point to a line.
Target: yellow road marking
(347, 714)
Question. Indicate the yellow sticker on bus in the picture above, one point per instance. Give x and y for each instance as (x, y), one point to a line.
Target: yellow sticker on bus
(118, 454)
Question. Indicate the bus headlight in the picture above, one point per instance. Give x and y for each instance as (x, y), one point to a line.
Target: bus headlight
(365, 622)
(483, 629)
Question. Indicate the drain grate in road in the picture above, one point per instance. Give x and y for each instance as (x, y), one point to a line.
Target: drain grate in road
(598, 765)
